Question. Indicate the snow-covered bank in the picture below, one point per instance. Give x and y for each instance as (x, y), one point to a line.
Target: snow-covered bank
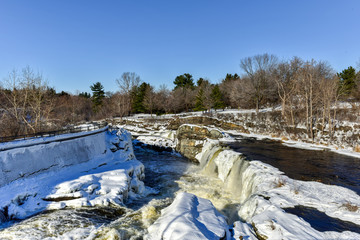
(263, 191)
(21, 159)
(106, 179)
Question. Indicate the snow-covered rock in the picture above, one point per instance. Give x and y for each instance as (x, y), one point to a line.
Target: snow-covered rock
(189, 217)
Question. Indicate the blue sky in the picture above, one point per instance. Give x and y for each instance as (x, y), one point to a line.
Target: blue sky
(77, 43)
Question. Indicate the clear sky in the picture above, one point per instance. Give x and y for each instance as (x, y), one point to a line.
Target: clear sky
(75, 43)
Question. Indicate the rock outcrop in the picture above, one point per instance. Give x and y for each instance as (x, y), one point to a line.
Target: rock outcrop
(190, 139)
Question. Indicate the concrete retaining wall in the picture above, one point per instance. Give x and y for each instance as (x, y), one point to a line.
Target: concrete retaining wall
(32, 157)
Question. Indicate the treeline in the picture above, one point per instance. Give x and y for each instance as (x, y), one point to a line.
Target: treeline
(306, 91)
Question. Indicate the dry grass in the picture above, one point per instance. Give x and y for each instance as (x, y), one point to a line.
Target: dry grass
(279, 183)
(350, 207)
(357, 148)
(283, 138)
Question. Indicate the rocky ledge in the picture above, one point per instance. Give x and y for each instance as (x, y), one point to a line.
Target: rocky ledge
(190, 139)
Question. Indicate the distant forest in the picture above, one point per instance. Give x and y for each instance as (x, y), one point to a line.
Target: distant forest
(305, 90)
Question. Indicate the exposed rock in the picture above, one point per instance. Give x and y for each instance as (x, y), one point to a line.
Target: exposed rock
(190, 139)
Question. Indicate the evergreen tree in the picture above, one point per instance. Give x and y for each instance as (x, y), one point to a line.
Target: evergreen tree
(230, 77)
(184, 81)
(138, 95)
(98, 95)
(347, 80)
(199, 104)
(200, 81)
(217, 98)
(85, 95)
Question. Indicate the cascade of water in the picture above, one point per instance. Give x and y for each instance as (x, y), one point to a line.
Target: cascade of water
(231, 167)
(235, 181)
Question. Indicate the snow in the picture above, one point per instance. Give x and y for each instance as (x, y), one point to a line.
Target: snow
(160, 141)
(189, 217)
(243, 231)
(108, 179)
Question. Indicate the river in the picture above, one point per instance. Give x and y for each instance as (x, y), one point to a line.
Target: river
(168, 173)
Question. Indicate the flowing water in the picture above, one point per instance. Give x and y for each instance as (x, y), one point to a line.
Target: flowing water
(166, 174)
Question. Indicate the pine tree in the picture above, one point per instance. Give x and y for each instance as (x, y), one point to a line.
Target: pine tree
(199, 104)
(138, 96)
(347, 80)
(184, 81)
(217, 98)
(98, 95)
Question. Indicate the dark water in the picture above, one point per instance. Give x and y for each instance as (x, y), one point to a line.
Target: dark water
(309, 165)
(162, 170)
(322, 222)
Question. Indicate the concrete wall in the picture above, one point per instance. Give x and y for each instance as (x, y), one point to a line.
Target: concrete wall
(31, 157)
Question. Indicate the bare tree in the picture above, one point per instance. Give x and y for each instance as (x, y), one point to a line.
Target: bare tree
(14, 104)
(27, 103)
(149, 99)
(285, 76)
(162, 99)
(258, 69)
(39, 104)
(312, 79)
(127, 82)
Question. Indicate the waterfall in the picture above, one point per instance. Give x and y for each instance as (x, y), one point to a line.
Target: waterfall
(229, 166)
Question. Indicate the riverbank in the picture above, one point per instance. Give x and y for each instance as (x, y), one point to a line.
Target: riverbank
(248, 123)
